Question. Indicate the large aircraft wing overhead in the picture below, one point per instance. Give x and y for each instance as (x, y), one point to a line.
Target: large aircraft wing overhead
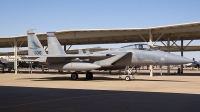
(54, 46)
(67, 58)
(125, 57)
(70, 55)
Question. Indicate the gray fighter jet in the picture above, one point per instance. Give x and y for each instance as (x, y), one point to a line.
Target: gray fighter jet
(127, 56)
(136, 54)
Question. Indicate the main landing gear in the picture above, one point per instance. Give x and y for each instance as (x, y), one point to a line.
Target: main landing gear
(128, 78)
(60, 71)
(74, 75)
(89, 75)
(128, 70)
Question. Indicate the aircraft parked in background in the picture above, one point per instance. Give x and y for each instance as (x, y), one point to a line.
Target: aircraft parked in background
(193, 64)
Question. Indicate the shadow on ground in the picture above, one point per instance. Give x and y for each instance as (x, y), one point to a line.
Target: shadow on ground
(157, 73)
(52, 99)
(102, 78)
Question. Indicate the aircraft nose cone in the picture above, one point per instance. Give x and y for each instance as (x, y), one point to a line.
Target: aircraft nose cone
(176, 59)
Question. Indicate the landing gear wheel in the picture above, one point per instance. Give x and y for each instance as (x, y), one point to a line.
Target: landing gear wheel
(127, 78)
(74, 76)
(89, 75)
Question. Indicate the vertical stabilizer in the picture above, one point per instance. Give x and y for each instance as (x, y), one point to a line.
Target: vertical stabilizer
(34, 45)
(87, 51)
(54, 46)
(80, 51)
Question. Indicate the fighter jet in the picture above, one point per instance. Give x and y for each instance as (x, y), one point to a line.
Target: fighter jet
(59, 60)
(136, 54)
(127, 56)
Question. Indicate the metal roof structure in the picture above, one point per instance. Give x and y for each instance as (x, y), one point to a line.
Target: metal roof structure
(177, 48)
(188, 31)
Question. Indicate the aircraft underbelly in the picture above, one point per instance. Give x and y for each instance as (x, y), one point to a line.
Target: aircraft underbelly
(74, 66)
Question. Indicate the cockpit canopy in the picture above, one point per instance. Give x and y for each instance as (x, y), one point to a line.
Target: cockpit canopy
(140, 47)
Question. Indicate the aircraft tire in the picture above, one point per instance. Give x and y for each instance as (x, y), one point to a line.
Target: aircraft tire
(127, 78)
(89, 75)
(74, 76)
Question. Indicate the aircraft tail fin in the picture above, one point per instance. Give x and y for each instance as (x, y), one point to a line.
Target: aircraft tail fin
(87, 51)
(80, 51)
(54, 46)
(34, 45)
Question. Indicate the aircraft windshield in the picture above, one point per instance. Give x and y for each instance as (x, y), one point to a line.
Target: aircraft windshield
(140, 47)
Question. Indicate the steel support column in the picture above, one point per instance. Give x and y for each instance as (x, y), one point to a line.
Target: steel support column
(65, 47)
(168, 50)
(160, 69)
(42, 68)
(15, 55)
(182, 53)
(31, 67)
(151, 43)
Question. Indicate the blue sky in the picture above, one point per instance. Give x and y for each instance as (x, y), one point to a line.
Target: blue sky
(53, 15)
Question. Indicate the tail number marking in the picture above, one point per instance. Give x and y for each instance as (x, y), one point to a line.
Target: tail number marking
(38, 53)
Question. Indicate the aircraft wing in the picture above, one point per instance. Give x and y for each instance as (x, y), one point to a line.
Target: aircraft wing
(67, 58)
(68, 55)
(73, 51)
(123, 57)
(76, 51)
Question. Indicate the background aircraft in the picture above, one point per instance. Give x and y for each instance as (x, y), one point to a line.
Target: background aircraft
(193, 64)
